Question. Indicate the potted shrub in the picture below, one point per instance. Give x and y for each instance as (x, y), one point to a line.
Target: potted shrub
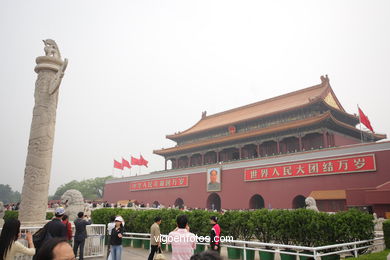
(284, 220)
(386, 233)
(246, 227)
(138, 227)
(229, 223)
(263, 230)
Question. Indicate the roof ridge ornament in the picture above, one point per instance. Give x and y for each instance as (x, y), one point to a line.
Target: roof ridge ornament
(324, 79)
(204, 114)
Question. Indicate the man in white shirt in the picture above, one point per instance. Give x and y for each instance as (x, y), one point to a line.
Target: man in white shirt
(182, 240)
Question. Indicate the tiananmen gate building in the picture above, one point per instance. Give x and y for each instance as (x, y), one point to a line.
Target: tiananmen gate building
(270, 154)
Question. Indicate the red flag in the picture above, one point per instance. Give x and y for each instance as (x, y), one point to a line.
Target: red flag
(125, 163)
(135, 161)
(143, 161)
(118, 165)
(364, 120)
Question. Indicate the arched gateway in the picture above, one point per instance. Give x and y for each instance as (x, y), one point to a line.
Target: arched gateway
(214, 202)
(179, 202)
(298, 202)
(256, 202)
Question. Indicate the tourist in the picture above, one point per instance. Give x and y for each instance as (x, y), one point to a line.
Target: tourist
(110, 226)
(206, 255)
(9, 246)
(56, 228)
(116, 239)
(68, 225)
(215, 234)
(56, 248)
(182, 240)
(81, 233)
(155, 242)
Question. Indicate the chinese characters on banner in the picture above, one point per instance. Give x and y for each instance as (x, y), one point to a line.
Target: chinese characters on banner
(363, 163)
(163, 183)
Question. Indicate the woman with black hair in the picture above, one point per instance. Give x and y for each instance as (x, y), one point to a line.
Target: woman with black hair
(9, 246)
(68, 225)
(116, 239)
(56, 248)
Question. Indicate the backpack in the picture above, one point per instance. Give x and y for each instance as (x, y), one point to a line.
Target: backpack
(41, 236)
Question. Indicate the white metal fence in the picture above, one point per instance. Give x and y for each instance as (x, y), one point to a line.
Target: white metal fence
(316, 252)
(94, 244)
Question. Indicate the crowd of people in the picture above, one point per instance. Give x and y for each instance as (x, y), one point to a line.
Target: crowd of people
(52, 241)
(12, 206)
(182, 240)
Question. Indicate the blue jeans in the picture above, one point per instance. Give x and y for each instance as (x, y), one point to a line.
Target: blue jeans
(116, 252)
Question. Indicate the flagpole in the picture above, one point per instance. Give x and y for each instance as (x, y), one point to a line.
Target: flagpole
(139, 166)
(360, 122)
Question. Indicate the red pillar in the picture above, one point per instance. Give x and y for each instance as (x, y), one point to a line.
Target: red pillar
(258, 150)
(165, 163)
(278, 146)
(300, 143)
(188, 161)
(239, 153)
(217, 156)
(325, 139)
(202, 159)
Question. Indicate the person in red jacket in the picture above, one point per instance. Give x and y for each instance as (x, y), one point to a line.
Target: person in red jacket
(68, 225)
(215, 234)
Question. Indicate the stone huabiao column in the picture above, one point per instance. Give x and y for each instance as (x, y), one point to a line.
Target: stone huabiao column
(50, 69)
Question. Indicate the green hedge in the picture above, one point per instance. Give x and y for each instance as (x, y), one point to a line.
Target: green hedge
(290, 227)
(12, 214)
(386, 233)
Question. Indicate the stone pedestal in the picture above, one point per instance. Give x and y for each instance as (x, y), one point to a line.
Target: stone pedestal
(50, 70)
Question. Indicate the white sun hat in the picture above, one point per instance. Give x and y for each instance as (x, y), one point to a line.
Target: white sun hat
(119, 218)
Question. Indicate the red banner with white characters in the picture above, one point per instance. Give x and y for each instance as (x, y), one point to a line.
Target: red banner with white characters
(350, 164)
(162, 183)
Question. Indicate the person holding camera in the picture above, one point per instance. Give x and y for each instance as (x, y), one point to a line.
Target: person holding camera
(80, 235)
(9, 246)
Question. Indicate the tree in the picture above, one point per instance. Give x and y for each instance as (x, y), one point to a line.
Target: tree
(7, 195)
(90, 188)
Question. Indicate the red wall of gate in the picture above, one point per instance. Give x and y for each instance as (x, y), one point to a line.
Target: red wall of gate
(235, 192)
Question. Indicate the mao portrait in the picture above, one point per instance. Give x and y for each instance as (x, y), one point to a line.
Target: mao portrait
(214, 179)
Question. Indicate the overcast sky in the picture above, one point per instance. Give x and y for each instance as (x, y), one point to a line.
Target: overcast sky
(139, 70)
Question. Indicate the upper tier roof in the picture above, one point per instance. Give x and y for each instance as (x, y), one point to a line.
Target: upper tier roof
(266, 107)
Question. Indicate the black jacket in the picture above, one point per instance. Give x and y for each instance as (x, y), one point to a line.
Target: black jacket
(81, 228)
(56, 228)
(115, 240)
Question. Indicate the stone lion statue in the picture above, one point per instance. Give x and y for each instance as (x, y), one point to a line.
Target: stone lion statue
(74, 203)
(378, 223)
(2, 209)
(87, 209)
(311, 204)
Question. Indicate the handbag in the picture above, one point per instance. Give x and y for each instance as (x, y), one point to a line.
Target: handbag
(159, 255)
